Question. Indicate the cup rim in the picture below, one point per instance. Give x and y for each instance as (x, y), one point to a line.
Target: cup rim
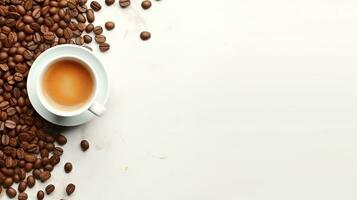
(45, 102)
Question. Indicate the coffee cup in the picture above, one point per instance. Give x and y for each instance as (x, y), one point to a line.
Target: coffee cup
(66, 85)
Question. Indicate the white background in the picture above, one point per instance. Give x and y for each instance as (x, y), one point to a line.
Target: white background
(231, 99)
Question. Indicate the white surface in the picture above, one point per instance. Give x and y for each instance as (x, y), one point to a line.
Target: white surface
(38, 100)
(232, 99)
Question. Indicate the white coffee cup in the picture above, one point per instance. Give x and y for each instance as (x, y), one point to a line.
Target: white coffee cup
(47, 58)
(94, 107)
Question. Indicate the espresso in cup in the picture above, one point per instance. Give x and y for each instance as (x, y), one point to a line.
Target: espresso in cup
(68, 84)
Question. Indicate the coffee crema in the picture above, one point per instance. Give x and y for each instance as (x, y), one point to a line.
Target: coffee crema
(68, 84)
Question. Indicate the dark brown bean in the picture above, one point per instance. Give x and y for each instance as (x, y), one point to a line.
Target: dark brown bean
(30, 181)
(11, 192)
(89, 28)
(45, 175)
(87, 39)
(95, 6)
(70, 188)
(40, 195)
(90, 15)
(146, 4)
(124, 3)
(49, 188)
(68, 167)
(109, 2)
(84, 145)
(109, 25)
(60, 139)
(22, 186)
(98, 30)
(145, 35)
(22, 196)
(100, 39)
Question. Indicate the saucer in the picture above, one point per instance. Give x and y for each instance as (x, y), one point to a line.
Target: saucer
(67, 50)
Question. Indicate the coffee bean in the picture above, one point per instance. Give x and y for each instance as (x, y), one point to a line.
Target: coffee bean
(22, 196)
(22, 186)
(95, 6)
(84, 145)
(87, 39)
(103, 47)
(8, 181)
(30, 181)
(68, 167)
(109, 2)
(70, 189)
(60, 139)
(44, 176)
(109, 25)
(100, 39)
(89, 28)
(124, 3)
(11, 192)
(90, 15)
(98, 30)
(145, 35)
(49, 188)
(10, 124)
(40, 195)
(146, 4)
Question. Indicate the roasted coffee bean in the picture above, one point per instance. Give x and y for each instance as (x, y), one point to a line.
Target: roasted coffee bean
(40, 195)
(44, 176)
(109, 25)
(124, 3)
(68, 167)
(87, 39)
(30, 181)
(145, 35)
(79, 40)
(146, 4)
(89, 28)
(95, 6)
(70, 188)
(84, 145)
(58, 151)
(100, 39)
(11, 192)
(50, 188)
(22, 196)
(109, 2)
(22, 186)
(60, 139)
(90, 15)
(103, 47)
(8, 182)
(98, 30)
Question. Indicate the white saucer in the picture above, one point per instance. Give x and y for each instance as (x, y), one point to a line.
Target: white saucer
(63, 51)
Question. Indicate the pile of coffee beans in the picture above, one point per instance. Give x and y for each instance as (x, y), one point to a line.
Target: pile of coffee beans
(30, 147)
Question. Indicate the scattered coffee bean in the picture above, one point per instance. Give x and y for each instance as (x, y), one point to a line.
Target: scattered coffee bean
(69, 189)
(145, 35)
(124, 3)
(61, 140)
(49, 188)
(84, 145)
(11, 192)
(103, 47)
(68, 167)
(109, 25)
(95, 6)
(98, 30)
(31, 181)
(146, 4)
(40, 195)
(22, 196)
(109, 2)
(87, 39)
(89, 28)
(90, 16)
(100, 39)
(22, 186)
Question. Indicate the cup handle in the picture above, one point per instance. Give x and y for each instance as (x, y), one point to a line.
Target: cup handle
(97, 109)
